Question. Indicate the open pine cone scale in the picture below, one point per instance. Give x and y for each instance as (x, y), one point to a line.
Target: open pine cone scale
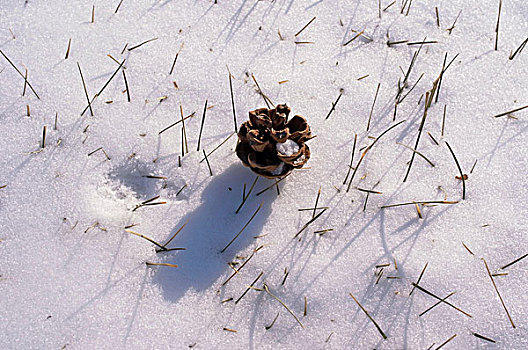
(272, 146)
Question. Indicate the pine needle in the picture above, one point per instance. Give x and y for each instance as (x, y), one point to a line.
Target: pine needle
(243, 228)
(368, 148)
(497, 290)
(459, 169)
(147, 238)
(437, 297)
(266, 289)
(161, 264)
(368, 315)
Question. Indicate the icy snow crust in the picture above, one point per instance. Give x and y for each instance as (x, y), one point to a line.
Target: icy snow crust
(72, 277)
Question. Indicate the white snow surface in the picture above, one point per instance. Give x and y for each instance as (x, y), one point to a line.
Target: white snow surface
(73, 278)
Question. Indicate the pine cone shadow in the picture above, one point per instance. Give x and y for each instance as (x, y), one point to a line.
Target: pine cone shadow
(209, 229)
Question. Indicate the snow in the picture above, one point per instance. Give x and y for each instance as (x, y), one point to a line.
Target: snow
(288, 148)
(72, 277)
(278, 170)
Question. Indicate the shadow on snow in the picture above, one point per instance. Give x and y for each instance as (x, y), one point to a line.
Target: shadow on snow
(209, 229)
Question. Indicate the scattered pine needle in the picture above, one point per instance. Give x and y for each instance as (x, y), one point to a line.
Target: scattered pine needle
(418, 210)
(179, 121)
(507, 265)
(392, 43)
(266, 289)
(354, 38)
(145, 237)
(175, 234)
(373, 104)
(499, 274)
(232, 98)
(351, 159)
(241, 266)
(428, 100)
(309, 222)
(316, 201)
(465, 246)
(243, 228)
(25, 83)
(20, 73)
(418, 153)
(436, 304)
(118, 6)
(201, 128)
(418, 202)
(419, 278)
(104, 86)
(388, 6)
(450, 29)
(368, 148)
(497, 27)
(273, 322)
(174, 62)
(368, 191)
(328, 339)
(437, 297)
(303, 28)
(92, 152)
(160, 264)
(497, 290)
(459, 169)
(309, 209)
(246, 196)
(248, 288)
(447, 341)
(273, 185)
(126, 85)
(264, 96)
(141, 44)
(68, 50)
(368, 315)
(483, 337)
(334, 104)
(473, 167)
(208, 165)
(43, 144)
(509, 112)
(422, 42)
(220, 145)
(518, 50)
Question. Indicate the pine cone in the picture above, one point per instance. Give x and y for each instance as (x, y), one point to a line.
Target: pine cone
(271, 145)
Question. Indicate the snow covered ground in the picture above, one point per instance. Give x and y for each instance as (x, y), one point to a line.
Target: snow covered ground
(73, 276)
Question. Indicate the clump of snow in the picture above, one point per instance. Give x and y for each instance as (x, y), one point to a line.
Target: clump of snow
(279, 169)
(288, 148)
(299, 159)
(73, 276)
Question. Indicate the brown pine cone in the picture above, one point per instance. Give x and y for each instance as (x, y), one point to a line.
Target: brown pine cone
(271, 145)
